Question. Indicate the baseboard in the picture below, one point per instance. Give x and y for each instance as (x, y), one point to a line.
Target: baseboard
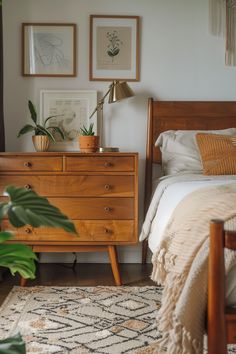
(128, 254)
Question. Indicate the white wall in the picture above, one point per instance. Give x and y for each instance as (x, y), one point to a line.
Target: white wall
(179, 60)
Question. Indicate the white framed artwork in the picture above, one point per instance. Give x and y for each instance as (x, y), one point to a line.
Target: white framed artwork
(114, 48)
(72, 109)
(49, 49)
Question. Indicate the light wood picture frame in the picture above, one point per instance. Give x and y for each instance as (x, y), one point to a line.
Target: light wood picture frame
(72, 109)
(114, 48)
(49, 49)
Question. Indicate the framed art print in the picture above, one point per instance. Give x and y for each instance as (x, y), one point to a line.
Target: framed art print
(114, 48)
(49, 49)
(71, 109)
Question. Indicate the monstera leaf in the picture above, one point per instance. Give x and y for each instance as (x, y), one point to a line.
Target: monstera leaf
(28, 208)
(18, 258)
(25, 208)
(12, 345)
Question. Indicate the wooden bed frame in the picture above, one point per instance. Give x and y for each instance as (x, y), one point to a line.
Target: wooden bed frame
(180, 115)
(221, 319)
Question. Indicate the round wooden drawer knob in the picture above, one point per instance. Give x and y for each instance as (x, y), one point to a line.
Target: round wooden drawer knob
(27, 164)
(107, 187)
(107, 209)
(107, 164)
(28, 186)
(108, 231)
(28, 230)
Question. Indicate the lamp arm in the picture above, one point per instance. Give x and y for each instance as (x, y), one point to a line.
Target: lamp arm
(101, 102)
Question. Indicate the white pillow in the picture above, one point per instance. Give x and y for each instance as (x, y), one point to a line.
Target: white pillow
(180, 151)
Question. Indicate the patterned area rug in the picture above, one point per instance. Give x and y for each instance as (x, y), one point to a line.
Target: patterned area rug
(76, 320)
(80, 320)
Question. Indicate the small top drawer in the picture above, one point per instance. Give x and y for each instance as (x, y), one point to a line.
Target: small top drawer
(100, 163)
(30, 163)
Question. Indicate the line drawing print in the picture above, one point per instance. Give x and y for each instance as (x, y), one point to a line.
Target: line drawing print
(70, 116)
(48, 50)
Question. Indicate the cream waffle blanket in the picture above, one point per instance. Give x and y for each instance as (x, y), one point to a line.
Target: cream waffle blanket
(180, 264)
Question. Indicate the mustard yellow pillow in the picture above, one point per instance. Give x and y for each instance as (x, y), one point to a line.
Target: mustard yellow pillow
(218, 153)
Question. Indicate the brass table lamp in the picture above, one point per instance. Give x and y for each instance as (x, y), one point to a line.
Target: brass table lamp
(117, 91)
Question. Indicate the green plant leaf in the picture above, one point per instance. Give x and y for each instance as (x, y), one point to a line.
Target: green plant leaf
(27, 207)
(32, 112)
(57, 130)
(45, 131)
(12, 345)
(5, 235)
(3, 210)
(50, 117)
(87, 132)
(26, 129)
(18, 258)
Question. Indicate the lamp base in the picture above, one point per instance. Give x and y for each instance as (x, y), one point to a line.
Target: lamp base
(108, 149)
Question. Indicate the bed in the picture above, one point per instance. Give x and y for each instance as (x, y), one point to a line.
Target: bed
(171, 197)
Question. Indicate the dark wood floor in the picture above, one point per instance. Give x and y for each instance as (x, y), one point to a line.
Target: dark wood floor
(82, 275)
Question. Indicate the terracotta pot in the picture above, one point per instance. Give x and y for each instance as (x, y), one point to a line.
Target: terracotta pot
(41, 142)
(88, 143)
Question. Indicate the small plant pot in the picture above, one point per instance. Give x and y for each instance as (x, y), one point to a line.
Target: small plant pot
(88, 143)
(41, 142)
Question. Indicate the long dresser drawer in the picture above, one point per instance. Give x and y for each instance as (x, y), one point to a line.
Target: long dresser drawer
(95, 208)
(89, 230)
(72, 185)
(27, 163)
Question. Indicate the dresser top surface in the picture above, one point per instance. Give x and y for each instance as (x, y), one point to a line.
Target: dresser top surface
(67, 153)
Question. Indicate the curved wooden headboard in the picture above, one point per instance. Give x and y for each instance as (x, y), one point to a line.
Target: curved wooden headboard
(182, 115)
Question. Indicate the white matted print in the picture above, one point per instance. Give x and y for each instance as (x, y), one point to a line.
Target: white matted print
(114, 48)
(48, 49)
(71, 110)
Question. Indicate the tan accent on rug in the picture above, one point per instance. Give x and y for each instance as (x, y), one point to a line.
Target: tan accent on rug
(79, 320)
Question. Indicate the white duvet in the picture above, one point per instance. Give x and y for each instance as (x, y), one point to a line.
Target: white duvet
(169, 192)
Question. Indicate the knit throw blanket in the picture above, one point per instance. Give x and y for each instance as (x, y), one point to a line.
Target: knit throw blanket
(180, 264)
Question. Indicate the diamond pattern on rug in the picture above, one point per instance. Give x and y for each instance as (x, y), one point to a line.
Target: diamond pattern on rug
(79, 320)
(98, 320)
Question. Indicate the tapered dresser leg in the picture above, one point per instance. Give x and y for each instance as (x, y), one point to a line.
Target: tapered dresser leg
(144, 251)
(114, 264)
(23, 281)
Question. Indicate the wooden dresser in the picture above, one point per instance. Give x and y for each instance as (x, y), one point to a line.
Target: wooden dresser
(98, 191)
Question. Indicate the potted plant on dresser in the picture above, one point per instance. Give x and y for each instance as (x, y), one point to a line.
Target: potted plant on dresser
(44, 133)
(88, 141)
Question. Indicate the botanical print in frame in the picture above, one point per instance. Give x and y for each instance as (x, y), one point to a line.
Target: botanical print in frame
(48, 49)
(114, 48)
(71, 110)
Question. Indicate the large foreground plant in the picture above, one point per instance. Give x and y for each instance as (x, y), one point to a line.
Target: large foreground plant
(25, 208)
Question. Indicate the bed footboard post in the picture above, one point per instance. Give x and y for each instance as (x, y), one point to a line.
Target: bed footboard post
(216, 291)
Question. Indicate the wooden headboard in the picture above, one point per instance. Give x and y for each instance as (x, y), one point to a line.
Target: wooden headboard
(182, 115)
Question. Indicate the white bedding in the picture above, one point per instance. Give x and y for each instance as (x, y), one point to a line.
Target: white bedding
(169, 192)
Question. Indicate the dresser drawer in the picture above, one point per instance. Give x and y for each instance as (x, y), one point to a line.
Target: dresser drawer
(89, 230)
(95, 208)
(62, 186)
(29, 163)
(100, 163)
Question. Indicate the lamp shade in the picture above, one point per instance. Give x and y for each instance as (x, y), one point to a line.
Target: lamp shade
(118, 91)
